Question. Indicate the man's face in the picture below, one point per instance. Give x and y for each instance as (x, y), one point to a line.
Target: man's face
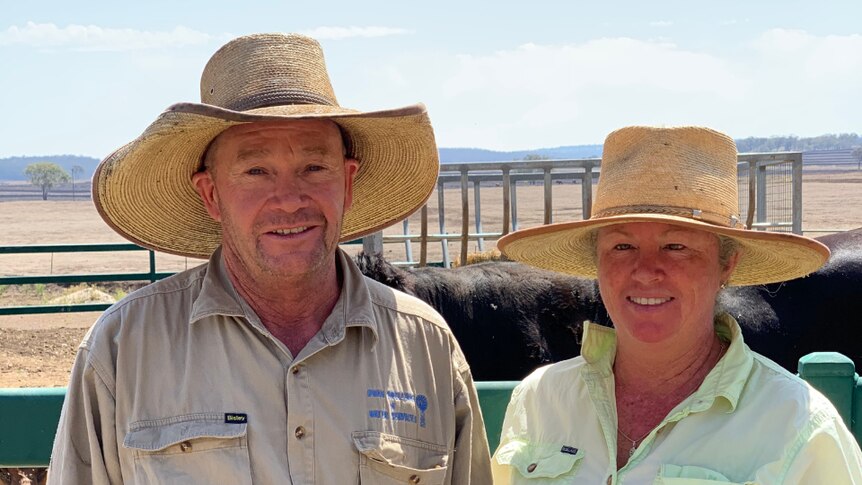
(279, 190)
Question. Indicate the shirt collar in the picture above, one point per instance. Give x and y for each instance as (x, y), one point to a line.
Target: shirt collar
(727, 379)
(354, 307)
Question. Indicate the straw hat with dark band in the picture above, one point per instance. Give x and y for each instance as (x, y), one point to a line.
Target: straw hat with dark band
(684, 176)
(144, 190)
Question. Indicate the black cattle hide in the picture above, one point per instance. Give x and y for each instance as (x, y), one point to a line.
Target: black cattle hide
(511, 318)
(785, 321)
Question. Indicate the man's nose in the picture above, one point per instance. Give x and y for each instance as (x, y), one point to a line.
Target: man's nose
(289, 193)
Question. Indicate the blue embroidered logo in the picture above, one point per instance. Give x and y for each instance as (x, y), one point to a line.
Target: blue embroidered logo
(422, 404)
(394, 400)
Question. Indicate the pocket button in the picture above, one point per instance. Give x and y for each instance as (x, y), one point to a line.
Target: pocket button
(414, 479)
(186, 446)
(531, 468)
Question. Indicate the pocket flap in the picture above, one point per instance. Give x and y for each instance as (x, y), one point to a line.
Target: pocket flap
(399, 451)
(539, 460)
(158, 434)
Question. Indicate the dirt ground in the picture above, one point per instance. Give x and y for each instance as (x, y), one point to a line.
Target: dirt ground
(38, 350)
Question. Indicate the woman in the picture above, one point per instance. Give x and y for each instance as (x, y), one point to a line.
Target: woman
(671, 395)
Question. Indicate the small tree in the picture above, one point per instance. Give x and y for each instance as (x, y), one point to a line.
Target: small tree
(76, 170)
(46, 175)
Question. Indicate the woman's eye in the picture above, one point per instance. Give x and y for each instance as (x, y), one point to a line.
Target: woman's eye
(675, 246)
(622, 246)
(315, 168)
(255, 171)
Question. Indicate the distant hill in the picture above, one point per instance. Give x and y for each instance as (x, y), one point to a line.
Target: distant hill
(13, 168)
(456, 155)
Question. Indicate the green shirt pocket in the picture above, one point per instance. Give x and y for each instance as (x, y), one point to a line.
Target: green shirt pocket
(691, 475)
(541, 463)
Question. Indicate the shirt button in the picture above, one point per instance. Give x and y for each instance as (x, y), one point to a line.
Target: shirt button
(414, 479)
(295, 369)
(610, 480)
(299, 432)
(531, 468)
(186, 446)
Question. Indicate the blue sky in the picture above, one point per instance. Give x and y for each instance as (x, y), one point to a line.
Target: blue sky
(86, 77)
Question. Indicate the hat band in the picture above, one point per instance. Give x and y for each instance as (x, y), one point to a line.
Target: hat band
(278, 98)
(706, 216)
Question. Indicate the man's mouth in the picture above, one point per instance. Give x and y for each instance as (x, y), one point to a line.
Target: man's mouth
(648, 301)
(292, 230)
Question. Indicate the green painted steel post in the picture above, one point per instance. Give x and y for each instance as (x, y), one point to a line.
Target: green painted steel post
(28, 420)
(834, 375)
(493, 399)
(152, 266)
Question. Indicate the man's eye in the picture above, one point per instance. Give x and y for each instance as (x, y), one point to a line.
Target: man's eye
(255, 171)
(315, 168)
(623, 246)
(675, 246)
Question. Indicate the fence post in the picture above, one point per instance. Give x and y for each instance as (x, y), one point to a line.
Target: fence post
(796, 205)
(548, 197)
(477, 203)
(832, 374)
(152, 266)
(441, 215)
(373, 243)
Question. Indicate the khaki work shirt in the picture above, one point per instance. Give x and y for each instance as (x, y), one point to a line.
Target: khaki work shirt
(749, 422)
(181, 383)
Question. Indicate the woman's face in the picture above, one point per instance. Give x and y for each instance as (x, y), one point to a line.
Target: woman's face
(659, 281)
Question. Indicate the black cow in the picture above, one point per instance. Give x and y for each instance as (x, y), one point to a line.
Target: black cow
(510, 318)
(785, 321)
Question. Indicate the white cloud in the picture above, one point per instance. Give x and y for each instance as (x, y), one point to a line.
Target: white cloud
(661, 23)
(339, 33)
(95, 38)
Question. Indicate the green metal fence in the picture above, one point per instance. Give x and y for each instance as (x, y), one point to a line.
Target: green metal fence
(151, 275)
(29, 416)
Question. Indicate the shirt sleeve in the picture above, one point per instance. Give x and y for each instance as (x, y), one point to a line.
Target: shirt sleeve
(830, 455)
(85, 447)
(471, 461)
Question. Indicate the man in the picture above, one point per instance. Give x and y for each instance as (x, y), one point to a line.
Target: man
(276, 362)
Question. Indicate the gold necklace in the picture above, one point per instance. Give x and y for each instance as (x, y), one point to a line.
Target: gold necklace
(634, 443)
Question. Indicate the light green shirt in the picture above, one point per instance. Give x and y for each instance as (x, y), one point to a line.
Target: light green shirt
(180, 383)
(750, 421)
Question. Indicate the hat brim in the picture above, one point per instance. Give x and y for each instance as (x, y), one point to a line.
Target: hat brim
(144, 189)
(766, 257)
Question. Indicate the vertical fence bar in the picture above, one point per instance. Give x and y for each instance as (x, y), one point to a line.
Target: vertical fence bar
(477, 203)
(507, 201)
(796, 205)
(465, 216)
(514, 193)
(373, 243)
(548, 207)
(152, 266)
(752, 194)
(587, 192)
(423, 243)
(408, 243)
(760, 210)
(441, 214)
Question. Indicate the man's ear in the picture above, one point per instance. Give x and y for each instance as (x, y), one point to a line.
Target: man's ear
(351, 167)
(205, 187)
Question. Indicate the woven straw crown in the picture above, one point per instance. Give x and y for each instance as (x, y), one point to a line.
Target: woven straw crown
(685, 176)
(144, 190)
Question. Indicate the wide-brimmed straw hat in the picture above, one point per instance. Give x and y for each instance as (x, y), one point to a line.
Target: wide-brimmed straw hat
(144, 189)
(685, 176)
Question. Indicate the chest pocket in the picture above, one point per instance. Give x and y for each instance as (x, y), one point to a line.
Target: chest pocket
(541, 464)
(197, 448)
(386, 459)
(691, 475)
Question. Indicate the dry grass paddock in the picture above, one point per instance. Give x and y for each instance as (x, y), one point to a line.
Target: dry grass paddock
(37, 350)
